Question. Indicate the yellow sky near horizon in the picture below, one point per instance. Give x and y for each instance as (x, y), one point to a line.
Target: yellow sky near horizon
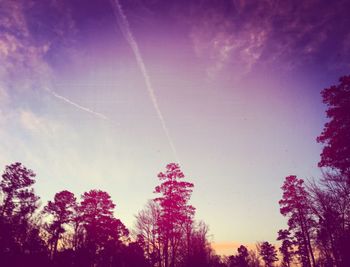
(230, 248)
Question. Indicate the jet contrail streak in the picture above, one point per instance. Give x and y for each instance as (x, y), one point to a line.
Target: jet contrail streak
(125, 28)
(64, 99)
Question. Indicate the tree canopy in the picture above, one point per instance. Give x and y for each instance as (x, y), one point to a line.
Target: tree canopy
(336, 133)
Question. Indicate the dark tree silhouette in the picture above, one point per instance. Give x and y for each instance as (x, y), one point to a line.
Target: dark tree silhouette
(88, 234)
(134, 255)
(147, 231)
(295, 204)
(253, 258)
(242, 256)
(16, 185)
(268, 253)
(286, 248)
(20, 241)
(176, 215)
(336, 133)
(103, 232)
(199, 251)
(62, 210)
(240, 259)
(331, 196)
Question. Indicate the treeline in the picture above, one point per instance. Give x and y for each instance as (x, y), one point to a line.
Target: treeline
(71, 231)
(318, 212)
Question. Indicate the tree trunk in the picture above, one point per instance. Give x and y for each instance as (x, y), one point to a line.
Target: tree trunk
(310, 248)
(166, 254)
(305, 237)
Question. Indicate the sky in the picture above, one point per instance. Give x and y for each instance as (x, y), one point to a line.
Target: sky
(103, 94)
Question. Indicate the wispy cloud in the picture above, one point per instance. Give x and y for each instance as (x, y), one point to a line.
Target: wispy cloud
(242, 34)
(125, 28)
(227, 41)
(24, 66)
(37, 124)
(74, 104)
(241, 50)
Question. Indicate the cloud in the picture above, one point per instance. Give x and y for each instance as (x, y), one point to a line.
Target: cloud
(37, 124)
(126, 30)
(22, 59)
(229, 40)
(242, 34)
(25, 50)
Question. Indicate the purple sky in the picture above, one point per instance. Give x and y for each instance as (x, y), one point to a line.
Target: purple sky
(236, 86)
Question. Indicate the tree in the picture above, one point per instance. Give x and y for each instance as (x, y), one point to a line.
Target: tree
(134, 256)
(20, 241)
(332, 195)
(62, 209)
(19, 200)
(295, 205)
(242, 256)
(18, 196)
(103, 232)
(147, 232)
(286, 247)
(268, 253)
(253, 258)
(176, 215)
(336, 133)
(200, 250)
(331, 206)
(240, 259)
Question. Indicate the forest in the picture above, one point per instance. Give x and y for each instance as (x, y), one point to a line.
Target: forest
(72, 230)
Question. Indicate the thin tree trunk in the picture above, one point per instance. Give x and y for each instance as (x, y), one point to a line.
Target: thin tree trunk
(310, 248)
(305, 239)
(166, 255)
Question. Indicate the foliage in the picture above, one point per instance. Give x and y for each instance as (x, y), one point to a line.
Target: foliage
(102, 231)
(20, 240)
(19, 197)
(336, 133)
(295, 204)
(62, 209)
(268, 253)
(241, 259)
(286, 248)
(176, 215)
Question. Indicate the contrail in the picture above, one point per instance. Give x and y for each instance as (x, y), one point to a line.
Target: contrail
(64, 99)
(125, 28)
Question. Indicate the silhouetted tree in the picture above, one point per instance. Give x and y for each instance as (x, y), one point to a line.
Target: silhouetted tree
(147, 231)
(134, 256)
(240, 259)
(253, 258)
(18, 196)
(20, 241)
(286, 247)
(268, 253)
(103, 232)
(200, 250)
(62, 210)
(176, 215)
(295, 205)
(242, 256)
(336, 133)
(332, 196)
(217, 261)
